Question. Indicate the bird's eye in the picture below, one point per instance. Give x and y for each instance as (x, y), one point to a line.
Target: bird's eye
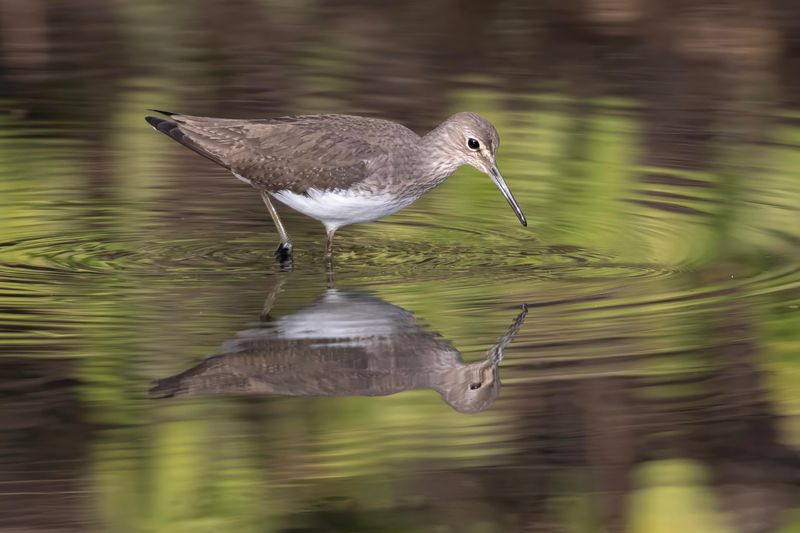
(473, 143)
(473, 386)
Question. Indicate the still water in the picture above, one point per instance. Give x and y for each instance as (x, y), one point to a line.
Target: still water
(627, 362)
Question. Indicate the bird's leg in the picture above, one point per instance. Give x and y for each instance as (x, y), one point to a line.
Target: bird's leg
(329, 250)
(284, 252)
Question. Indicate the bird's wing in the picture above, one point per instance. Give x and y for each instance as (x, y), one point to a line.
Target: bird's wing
(291, 153)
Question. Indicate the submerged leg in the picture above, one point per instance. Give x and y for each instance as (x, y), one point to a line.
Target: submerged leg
(272, 296)
(329, 249)
(284, 252)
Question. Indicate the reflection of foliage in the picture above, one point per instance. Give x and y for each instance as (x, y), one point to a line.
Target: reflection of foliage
(111, 252)
(254, 465)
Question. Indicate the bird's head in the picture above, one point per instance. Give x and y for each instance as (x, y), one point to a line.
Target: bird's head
(470, 388)
(472, 140)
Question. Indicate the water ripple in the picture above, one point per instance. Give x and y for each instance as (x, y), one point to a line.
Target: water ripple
(45, 256)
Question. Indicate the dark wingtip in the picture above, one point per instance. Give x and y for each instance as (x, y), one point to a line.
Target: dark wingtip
(164, 388)
(154, 121)
(167, 127)
(172, 129)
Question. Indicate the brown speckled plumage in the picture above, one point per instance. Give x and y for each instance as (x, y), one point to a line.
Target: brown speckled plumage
(326, 152)
(295, 153)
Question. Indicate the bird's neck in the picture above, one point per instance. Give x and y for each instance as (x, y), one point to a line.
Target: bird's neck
(437, 154)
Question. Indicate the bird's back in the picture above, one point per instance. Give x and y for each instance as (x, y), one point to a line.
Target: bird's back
(296, 153)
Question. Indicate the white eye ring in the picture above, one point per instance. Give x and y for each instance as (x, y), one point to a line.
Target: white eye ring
(473, 144)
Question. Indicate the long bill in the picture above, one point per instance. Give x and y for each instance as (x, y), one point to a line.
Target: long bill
(498, 180)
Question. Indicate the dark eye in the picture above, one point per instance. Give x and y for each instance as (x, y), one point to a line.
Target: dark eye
(473, 386)
(473, 143)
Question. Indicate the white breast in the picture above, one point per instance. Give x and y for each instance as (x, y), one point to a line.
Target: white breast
(340, 208)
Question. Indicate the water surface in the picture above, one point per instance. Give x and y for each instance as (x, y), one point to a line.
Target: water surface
(651, 387)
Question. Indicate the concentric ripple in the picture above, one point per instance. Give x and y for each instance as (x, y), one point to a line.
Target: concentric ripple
(65, 254)
(83, 255)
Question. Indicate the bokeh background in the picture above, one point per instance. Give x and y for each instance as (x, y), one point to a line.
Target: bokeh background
(654, 146)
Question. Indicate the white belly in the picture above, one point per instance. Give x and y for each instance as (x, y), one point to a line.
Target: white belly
(341, 208)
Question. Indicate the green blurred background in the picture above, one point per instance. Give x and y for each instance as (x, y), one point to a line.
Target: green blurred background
(653, 145)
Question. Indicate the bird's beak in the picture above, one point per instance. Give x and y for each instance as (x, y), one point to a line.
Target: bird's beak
(498, 180)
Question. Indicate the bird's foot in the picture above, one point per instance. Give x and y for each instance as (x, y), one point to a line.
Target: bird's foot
(284, 253)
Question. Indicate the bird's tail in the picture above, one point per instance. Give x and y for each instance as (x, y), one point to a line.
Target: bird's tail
(173, 127)
(167, 387)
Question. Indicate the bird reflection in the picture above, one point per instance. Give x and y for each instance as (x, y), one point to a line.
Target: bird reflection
(346, 343)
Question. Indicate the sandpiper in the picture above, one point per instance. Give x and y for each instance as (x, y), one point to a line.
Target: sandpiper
(339, 169)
